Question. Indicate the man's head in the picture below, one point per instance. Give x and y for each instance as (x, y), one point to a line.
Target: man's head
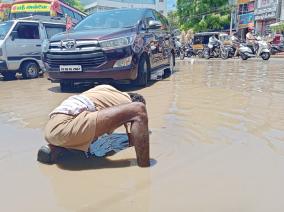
(135, 97)
(250, 29)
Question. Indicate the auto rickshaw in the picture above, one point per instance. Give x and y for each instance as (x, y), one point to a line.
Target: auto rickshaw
(225, 39)
(200, 40)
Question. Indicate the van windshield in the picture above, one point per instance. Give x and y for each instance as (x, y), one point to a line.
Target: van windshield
(110, 19)
(4, 28)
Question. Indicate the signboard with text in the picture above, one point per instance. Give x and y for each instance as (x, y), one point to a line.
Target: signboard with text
(266, 3)
(246, 20)
(266, 9)
(30, 7)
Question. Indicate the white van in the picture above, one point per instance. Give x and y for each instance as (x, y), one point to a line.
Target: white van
(20, 44)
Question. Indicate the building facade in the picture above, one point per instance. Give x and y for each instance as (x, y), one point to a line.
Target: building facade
(267, 12)
(282, 11)
(101, 5)
(245, 11)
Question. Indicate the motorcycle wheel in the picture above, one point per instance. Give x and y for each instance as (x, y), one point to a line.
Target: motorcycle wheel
(265, 55)
(189, 54)
(243, 56)
(182, 55)
(206, 54)
(200, 54)
(224, 54)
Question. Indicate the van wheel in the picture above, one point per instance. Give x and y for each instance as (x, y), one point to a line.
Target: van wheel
(9, 75)
(66, 86)
(143, 75)
(30, 70)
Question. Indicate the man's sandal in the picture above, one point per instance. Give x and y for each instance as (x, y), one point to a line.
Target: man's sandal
(49, 154)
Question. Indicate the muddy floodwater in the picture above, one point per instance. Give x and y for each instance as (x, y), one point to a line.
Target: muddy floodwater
(217, 145)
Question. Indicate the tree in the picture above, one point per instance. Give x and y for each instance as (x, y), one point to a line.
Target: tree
(203, 15)
(75, 3)
(278, 27)
(173, 19)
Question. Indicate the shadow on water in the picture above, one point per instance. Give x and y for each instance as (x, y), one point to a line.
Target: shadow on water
(79, 88)
(79, 162)
(99, 151)
(125, 87)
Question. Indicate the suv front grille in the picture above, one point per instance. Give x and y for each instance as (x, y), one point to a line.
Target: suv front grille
(86, 54)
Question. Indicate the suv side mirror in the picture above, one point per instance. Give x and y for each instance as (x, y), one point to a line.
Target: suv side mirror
(13, 35)
(154, 24)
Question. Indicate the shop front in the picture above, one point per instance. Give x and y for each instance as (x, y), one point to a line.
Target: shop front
(266, 13)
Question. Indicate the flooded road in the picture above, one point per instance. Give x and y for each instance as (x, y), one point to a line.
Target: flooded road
(217, 139)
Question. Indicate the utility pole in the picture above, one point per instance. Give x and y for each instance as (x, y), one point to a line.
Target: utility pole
(233, 4)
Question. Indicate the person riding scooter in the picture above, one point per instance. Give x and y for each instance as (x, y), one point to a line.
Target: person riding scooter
(250, 40)
(213, 43)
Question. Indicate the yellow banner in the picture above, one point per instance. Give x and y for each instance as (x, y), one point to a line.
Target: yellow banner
(244, 1)
(30, 7)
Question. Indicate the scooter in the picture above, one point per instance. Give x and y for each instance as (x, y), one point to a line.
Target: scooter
(261, 51)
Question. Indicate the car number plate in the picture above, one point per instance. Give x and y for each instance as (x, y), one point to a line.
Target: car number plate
(70, 68)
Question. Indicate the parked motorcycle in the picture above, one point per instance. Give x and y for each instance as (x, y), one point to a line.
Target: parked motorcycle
(182, 51)
(276, 48)
(233, 50)
(259, 50)
(186, 51)
(189, 51)
(177, 46)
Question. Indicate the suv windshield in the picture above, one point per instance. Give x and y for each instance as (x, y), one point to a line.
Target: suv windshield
(110, 19)
(4, 28)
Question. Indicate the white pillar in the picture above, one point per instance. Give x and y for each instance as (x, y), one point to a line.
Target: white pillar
(282, 10)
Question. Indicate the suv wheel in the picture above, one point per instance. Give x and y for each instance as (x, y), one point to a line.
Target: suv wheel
(66, 86)
(9, 75)
(143, 73)
(30, 70)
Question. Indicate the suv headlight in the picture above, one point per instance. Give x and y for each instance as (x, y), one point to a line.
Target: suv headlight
(45, 46)
(123, 62)
(117, 42)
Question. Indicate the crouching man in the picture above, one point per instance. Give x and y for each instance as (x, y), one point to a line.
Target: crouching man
(81, 119)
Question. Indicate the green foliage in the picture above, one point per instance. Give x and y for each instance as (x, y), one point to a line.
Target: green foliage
(75, 3)
(203, 15)
(278, 28)
(173, 19)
